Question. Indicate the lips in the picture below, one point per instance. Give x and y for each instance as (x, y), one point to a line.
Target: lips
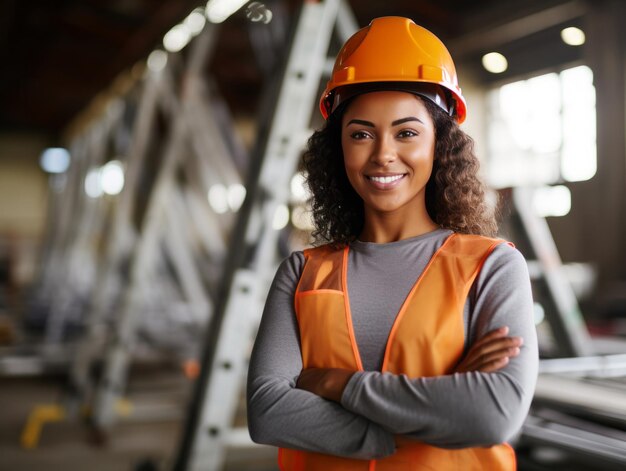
(385, 182)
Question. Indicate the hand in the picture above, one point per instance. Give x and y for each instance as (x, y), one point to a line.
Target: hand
(328, 383)
(491, 352)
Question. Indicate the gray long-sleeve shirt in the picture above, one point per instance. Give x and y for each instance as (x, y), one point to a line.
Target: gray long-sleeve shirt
(452, 411)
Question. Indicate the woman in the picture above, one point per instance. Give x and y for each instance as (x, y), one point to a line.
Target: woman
(406, 342)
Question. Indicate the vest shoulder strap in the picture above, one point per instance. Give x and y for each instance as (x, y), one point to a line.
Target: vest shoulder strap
(467, 254)
(321, 251)
(322, 268)
(472, 245)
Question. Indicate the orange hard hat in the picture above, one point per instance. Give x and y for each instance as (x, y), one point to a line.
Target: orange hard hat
(395, 53)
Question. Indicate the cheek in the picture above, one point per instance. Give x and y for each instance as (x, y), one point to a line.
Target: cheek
(351, 161)
(428, 163)
(352, 172)
(426, 159)
(420, 160)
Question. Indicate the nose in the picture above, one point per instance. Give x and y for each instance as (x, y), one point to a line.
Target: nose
(384, 152)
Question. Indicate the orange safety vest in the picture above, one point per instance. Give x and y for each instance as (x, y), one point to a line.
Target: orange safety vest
(426, 339)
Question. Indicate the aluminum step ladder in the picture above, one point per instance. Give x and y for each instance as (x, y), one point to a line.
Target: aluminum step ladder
(550, 284)
(167, 222)
(252, 259)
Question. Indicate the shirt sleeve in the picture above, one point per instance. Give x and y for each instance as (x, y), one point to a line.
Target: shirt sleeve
(281, 415)
(464, 409)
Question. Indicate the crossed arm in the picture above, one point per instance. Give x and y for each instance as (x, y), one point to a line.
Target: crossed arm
(488, 355)
(357, 414)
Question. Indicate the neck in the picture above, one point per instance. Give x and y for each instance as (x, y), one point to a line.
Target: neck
(383, 228)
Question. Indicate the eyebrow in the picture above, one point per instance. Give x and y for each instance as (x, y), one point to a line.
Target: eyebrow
(394, 123)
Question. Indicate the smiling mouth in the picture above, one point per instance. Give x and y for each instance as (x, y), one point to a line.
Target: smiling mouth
(385, 182)
(385, 179)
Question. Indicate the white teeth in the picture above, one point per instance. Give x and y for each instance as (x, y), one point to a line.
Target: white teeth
(386, 179)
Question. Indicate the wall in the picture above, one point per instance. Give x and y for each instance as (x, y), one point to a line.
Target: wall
(23, 194)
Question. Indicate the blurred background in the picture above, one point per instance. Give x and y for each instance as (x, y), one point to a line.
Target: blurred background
(150, 184)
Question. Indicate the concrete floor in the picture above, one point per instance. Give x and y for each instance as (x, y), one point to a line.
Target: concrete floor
(146, 441)
(134, 444)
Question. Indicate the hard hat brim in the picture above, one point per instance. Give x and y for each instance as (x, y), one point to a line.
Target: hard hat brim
(432, 92)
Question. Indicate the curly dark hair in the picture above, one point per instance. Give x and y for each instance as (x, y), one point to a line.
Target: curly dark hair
(455, 195)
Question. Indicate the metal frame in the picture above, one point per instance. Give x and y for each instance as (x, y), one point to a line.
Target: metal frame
(600, 449)
(161, 214)
(209, 430)
(563, 312)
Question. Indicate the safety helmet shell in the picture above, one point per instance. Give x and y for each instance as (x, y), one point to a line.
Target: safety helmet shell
(396, 50)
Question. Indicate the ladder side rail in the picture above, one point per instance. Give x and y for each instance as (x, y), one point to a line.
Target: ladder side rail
(227, 129)
(566, 322)
(54, 292)
(78, 264)
(52, 259)
(57, 213)
(74, 188)
(207, 141)
(180, 250)
(206, 221)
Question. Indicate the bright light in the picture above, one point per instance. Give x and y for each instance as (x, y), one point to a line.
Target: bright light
(195, 21)
(495, 62)
(112, 177)
(236, 195)
(218, 198)
(93, 186)
(573, 36)
(532, 108)
(545, 102)
(281, 217)
(578, 159)
(177, 38)
(157, 60)
(578, 156)
(298, 188)
(552, 201)
(543, 130)
(218, 10)
(55, 160)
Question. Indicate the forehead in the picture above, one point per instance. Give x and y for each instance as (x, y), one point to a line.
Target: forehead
(386, 103)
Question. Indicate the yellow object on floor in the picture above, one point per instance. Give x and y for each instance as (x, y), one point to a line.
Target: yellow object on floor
(38, 417)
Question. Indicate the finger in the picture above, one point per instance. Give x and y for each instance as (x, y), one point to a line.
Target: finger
(494, 365)
(487, 362)
(476, 361)
(491, 366)
(493, 334)
(494, 356)
(496, 344)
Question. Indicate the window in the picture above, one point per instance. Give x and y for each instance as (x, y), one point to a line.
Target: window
(542, 130)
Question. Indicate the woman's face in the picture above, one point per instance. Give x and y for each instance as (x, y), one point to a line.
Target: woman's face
(388, 142)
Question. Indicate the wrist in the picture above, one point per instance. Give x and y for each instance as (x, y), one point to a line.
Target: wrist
(335, 383)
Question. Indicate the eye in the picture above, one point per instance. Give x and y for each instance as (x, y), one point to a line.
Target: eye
(359, 135)
(407, 133)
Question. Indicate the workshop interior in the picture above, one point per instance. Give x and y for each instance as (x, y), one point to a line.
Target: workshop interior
(151, 182)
